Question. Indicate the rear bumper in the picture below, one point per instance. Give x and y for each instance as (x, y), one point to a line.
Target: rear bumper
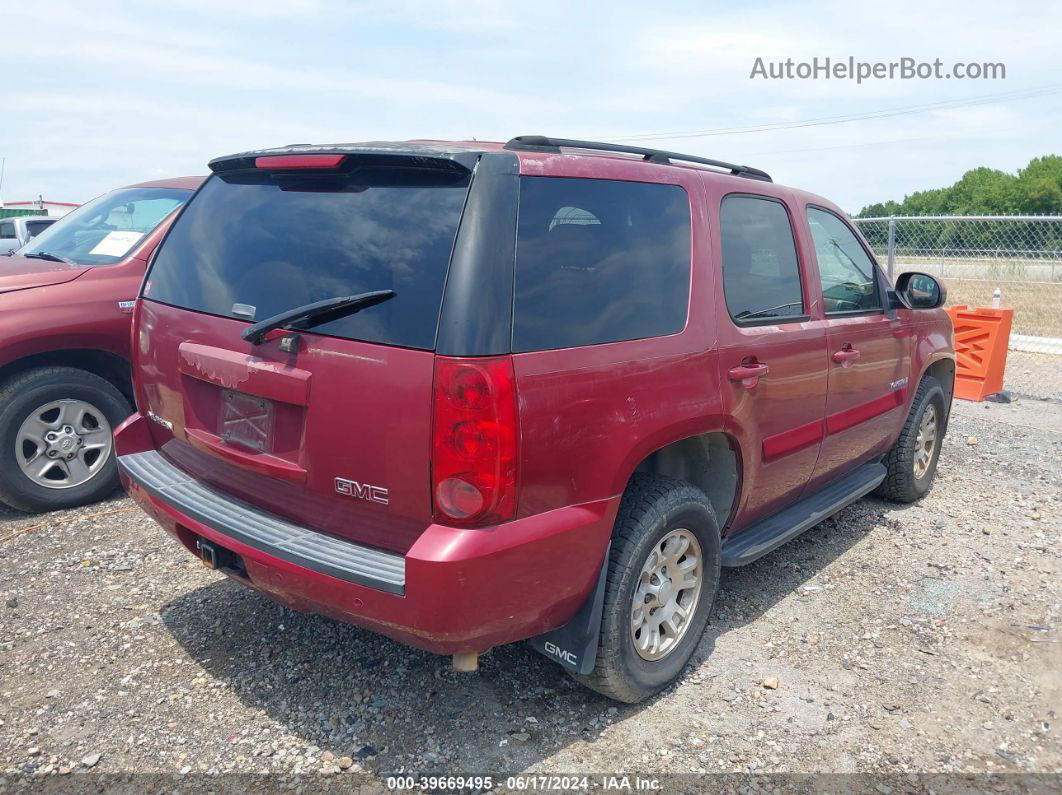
(455, 590)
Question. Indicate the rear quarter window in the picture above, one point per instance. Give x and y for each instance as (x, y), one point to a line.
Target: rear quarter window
(599, 261)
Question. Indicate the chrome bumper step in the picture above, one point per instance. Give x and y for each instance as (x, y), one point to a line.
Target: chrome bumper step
(268, 532)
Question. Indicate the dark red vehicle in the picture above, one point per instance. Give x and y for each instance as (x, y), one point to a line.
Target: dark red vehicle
(537, 391)
(66, 302)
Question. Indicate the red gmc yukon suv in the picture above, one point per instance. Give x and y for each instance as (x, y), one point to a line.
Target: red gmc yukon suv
(467, 394)
(66, 302)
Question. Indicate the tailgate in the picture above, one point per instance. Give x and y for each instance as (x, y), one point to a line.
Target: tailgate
(337, 438)
(332, 428)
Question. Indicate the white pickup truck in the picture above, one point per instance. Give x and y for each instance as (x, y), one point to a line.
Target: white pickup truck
(18, 231)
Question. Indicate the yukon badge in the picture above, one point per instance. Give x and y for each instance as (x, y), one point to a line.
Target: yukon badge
(161, 421)
(362, 491)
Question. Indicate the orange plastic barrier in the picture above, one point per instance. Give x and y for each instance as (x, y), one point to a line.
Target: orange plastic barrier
(981, 337)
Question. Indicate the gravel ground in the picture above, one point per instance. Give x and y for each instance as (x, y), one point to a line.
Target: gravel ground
(1034, 375)
(889, 640)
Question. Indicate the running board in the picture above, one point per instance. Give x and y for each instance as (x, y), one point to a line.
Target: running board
(757, 540)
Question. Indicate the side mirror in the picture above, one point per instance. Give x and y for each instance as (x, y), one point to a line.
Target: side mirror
(919, 291)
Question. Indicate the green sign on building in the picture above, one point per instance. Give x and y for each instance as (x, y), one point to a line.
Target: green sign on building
(8, 213)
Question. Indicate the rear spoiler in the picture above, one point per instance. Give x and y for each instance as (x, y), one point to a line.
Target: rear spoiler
(348, 157)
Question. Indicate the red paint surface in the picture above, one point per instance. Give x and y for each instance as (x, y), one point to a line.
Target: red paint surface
(72, 307)
(843, 420)
(792, 440)
(369, 421)
(245, 372)
(261, 463)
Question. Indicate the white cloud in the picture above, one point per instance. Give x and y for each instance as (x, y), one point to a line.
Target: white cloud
(110, 96)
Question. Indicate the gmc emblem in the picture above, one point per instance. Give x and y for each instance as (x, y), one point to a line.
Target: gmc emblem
(557, 651)
(362, 491)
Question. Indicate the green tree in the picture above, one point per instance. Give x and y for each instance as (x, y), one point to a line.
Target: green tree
(1044, 196)
(1034, 190)
(1037, 188)
(1040, 186)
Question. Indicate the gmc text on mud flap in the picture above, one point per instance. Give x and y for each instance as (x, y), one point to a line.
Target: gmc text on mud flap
(564, 656)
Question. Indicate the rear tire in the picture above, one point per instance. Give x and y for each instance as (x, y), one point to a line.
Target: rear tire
(665, 526)
(73, 407)
(912, 462)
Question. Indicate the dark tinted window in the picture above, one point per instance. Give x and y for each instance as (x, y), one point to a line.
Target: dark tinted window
(277, 245)
(761, 276)
(845, 268)
(7, 230)
(34, 228)
(599, 261)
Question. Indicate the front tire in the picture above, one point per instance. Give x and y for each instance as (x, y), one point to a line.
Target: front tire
(56, 448)
(912, 462)
(663, 575)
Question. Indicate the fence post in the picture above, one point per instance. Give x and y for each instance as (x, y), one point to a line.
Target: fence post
(890, 257)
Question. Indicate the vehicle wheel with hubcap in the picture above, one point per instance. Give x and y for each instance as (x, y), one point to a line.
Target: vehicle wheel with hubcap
(925, 442)
(666, 594)
(56, 445)
(663, 574)
(912, 461)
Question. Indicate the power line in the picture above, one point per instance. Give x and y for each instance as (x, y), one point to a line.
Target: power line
(859, 145)
(876, 114)
(1009, 96)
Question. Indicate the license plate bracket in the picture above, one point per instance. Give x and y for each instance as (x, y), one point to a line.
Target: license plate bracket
(246, 420)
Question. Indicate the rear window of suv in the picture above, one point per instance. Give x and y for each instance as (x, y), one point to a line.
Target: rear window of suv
(599, 261)
(278, 244)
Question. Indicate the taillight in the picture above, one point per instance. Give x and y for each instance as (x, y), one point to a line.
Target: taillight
(474, 439)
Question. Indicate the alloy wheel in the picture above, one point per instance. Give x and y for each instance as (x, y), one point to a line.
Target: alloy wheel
(925, 442)
(63, 444)
(665, 597)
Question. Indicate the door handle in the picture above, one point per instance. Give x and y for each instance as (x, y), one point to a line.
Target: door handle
(748, 373)
(846, 355)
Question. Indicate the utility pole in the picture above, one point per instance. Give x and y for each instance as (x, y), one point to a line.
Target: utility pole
(3, 162)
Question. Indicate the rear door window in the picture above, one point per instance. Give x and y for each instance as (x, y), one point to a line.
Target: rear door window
(276, 245)
(7, 230)
(761, 273)
(599, 261)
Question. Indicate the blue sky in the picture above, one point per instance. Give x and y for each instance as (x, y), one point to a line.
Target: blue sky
(94, 96)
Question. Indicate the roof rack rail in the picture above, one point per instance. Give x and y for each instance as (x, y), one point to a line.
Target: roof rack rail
(542, 143)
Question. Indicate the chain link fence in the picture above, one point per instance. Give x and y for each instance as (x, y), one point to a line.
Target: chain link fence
(1021, 256)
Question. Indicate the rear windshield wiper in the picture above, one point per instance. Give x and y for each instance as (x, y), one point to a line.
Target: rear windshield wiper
(49, 257)
(310, 315)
